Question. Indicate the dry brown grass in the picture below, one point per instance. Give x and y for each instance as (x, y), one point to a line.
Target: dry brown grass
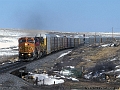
(92, 55)
(103, 53)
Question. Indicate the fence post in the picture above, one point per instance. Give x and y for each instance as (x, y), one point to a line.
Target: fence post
(36, 81)
(43, 81)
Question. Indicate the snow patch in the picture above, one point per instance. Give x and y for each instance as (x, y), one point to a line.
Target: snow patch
(65, 72)
(118, 76)
(47, 80)
(117, 70)
(105, 45)
(64, 54)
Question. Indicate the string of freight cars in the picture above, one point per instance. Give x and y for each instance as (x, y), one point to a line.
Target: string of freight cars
(31, 48)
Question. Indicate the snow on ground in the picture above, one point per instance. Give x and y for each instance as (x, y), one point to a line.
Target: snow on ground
(118, 76)
(50, 80)
(64, 54)
(9, 42)
(65, 72)
(105, 45)
(47, 80)
(6, 42)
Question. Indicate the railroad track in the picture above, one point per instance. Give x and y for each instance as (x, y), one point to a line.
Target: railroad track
(12, 66)
(17, 65)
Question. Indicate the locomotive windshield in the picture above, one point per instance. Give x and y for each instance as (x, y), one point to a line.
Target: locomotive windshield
(30, 40)
(22, 40)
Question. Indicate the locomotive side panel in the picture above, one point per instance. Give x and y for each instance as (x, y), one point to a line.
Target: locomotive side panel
(46, 44)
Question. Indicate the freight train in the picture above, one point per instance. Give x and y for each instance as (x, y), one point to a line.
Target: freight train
(31, 48)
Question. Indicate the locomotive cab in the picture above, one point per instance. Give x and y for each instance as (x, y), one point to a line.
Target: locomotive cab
(26, 48)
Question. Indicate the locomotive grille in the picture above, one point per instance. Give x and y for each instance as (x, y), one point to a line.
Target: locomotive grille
(26, 49)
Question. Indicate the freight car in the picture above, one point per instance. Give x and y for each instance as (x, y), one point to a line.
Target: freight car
(31, 48)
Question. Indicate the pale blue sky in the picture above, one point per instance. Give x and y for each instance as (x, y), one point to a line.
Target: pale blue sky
(61, 15)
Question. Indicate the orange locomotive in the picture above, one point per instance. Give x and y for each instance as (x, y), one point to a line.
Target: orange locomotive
(29, 48)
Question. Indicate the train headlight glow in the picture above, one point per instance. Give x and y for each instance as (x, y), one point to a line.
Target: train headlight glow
(22, 54)
(26, 44)
(29, 54)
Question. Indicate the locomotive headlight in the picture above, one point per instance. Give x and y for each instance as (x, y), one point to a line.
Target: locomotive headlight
(25, 44)
(22, 54)
(29, 54)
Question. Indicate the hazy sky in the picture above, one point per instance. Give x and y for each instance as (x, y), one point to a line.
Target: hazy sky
(61, 15)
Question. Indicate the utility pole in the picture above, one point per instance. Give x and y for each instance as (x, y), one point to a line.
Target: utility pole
(112, 33)
(95, 38)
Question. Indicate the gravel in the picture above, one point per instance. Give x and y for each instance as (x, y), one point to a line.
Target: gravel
(11, 82)
(46, 62)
